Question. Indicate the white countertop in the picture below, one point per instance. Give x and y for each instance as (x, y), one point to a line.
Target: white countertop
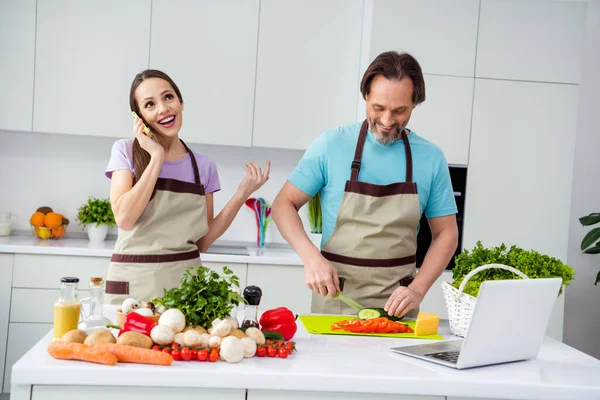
(27, 244)
(339, 363)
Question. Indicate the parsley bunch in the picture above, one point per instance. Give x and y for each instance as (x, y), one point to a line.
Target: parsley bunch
(530, 262)
(203, 295)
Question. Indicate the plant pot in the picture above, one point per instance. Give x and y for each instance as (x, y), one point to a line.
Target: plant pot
(96, 234)
(315, 238)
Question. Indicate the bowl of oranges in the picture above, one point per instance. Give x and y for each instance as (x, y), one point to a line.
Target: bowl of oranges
(47, 224)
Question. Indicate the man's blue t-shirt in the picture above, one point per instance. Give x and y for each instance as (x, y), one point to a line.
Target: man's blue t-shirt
(325, 168)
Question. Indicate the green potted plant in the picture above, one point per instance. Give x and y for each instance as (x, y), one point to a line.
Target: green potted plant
(591, 241)
(315, 220)
(96, 217)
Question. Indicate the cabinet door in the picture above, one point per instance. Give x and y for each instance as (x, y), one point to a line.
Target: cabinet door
(87, 54)
(512, 44)
(17, 43)
(211, 55)
(445, 116)
(42, 311)
(520, 165)
(6, 271)
(307, 70)
(308, 395)
(441, 35)
(282, 286)
(21, 338)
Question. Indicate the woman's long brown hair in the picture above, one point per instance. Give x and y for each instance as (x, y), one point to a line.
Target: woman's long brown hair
(141, 158)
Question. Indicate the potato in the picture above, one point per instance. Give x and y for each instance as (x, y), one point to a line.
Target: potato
(100, 336)
(196, 328)
(238, 334)
(135, 339)
(74, 336)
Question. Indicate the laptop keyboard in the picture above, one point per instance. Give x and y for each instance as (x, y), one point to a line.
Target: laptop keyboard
(449, 356)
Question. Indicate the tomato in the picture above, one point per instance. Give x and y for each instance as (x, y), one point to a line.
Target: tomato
(176, 354)
(282, 352)
(271, 351)
(166, 350)
(214, 355)
(290, 347)
(261, 351)
(202, 355)
(194, 354)
(186, 354)
(156, 347)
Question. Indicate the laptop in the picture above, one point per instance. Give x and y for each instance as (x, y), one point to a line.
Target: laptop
(509, 323)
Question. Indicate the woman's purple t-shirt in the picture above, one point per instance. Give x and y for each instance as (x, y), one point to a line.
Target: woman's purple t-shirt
(121, 157)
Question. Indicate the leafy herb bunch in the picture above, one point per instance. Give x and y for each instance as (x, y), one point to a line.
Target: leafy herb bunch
(203, 295)
(96, 211)
(530, 262)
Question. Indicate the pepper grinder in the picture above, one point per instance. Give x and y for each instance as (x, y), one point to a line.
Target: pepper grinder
(252, 294)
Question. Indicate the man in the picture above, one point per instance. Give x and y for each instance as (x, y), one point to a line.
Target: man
(375, 179)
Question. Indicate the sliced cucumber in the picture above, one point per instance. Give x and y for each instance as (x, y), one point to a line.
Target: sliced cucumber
(368, 313)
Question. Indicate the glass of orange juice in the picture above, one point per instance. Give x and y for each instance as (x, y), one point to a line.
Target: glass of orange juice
(67, 308)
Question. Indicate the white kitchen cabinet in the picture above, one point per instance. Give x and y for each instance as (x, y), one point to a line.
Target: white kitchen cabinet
(445, 116)
(296, 395)
(21, 338)
(44, 272)
(282, 286)
(51, 392)
(6, 271)
(17, 44)
(441, 35)
(520, 166)
(87, 54)
(213, 62)
(532, 40)
(36, 305)
(307, 70)
(434, 301)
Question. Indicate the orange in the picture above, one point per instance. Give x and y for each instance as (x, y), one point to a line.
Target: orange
(58, 232)
(37, 219)
(53, 220)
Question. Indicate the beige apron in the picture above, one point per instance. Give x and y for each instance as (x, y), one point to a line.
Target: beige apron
(374, 243)
(153, 255)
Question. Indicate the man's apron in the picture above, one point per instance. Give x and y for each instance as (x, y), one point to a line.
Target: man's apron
(153, 255)
(374, 243)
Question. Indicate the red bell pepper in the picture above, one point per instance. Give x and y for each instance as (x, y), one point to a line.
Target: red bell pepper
(137, 323)
(280, 320)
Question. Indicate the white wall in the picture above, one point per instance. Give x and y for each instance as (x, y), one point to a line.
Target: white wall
(582, 308)
(61, 171)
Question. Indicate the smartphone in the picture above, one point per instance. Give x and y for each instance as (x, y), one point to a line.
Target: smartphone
(146, 129)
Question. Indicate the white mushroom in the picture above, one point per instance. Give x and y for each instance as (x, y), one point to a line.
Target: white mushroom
(174, 319)
(146, 312)
(179, 338)
(129, 304)
(232, 322)
(249, 347)
(232, 350)
(192, 338)
(204, 338)
(162, 334)
(214, 341)
(222, 329)
(256, 335)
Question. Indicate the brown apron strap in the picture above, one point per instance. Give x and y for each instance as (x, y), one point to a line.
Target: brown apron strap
(194, 164)
(360, 144)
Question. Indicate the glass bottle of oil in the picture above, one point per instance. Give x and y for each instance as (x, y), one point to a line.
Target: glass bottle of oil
(67, 308)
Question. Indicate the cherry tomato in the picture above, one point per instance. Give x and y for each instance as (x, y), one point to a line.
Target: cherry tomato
(282, 352)
(271, 351)
(202, 355)
(261, 351)
(214, 355)
(175, 345)
(194, 354)
(290, 347)
(186, 354)
(176, 354)
(166, 350)
(156, 347)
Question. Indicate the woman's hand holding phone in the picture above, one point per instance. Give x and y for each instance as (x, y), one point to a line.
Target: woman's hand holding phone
(148, 144)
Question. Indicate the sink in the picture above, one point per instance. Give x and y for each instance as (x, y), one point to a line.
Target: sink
(227, 249)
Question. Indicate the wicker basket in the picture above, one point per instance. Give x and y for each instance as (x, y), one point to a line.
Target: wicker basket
(460, 305)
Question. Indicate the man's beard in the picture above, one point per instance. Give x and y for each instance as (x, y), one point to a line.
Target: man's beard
(385, 138)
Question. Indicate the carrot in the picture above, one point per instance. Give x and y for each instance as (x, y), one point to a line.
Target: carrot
(137, 355)
(81, 352)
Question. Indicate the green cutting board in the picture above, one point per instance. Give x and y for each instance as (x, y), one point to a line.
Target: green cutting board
(321, 325)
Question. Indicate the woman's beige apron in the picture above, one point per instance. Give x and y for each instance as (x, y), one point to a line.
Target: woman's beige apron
(374, 243)
(153, 255)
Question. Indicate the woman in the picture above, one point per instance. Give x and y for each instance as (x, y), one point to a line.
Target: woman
(162, 196)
